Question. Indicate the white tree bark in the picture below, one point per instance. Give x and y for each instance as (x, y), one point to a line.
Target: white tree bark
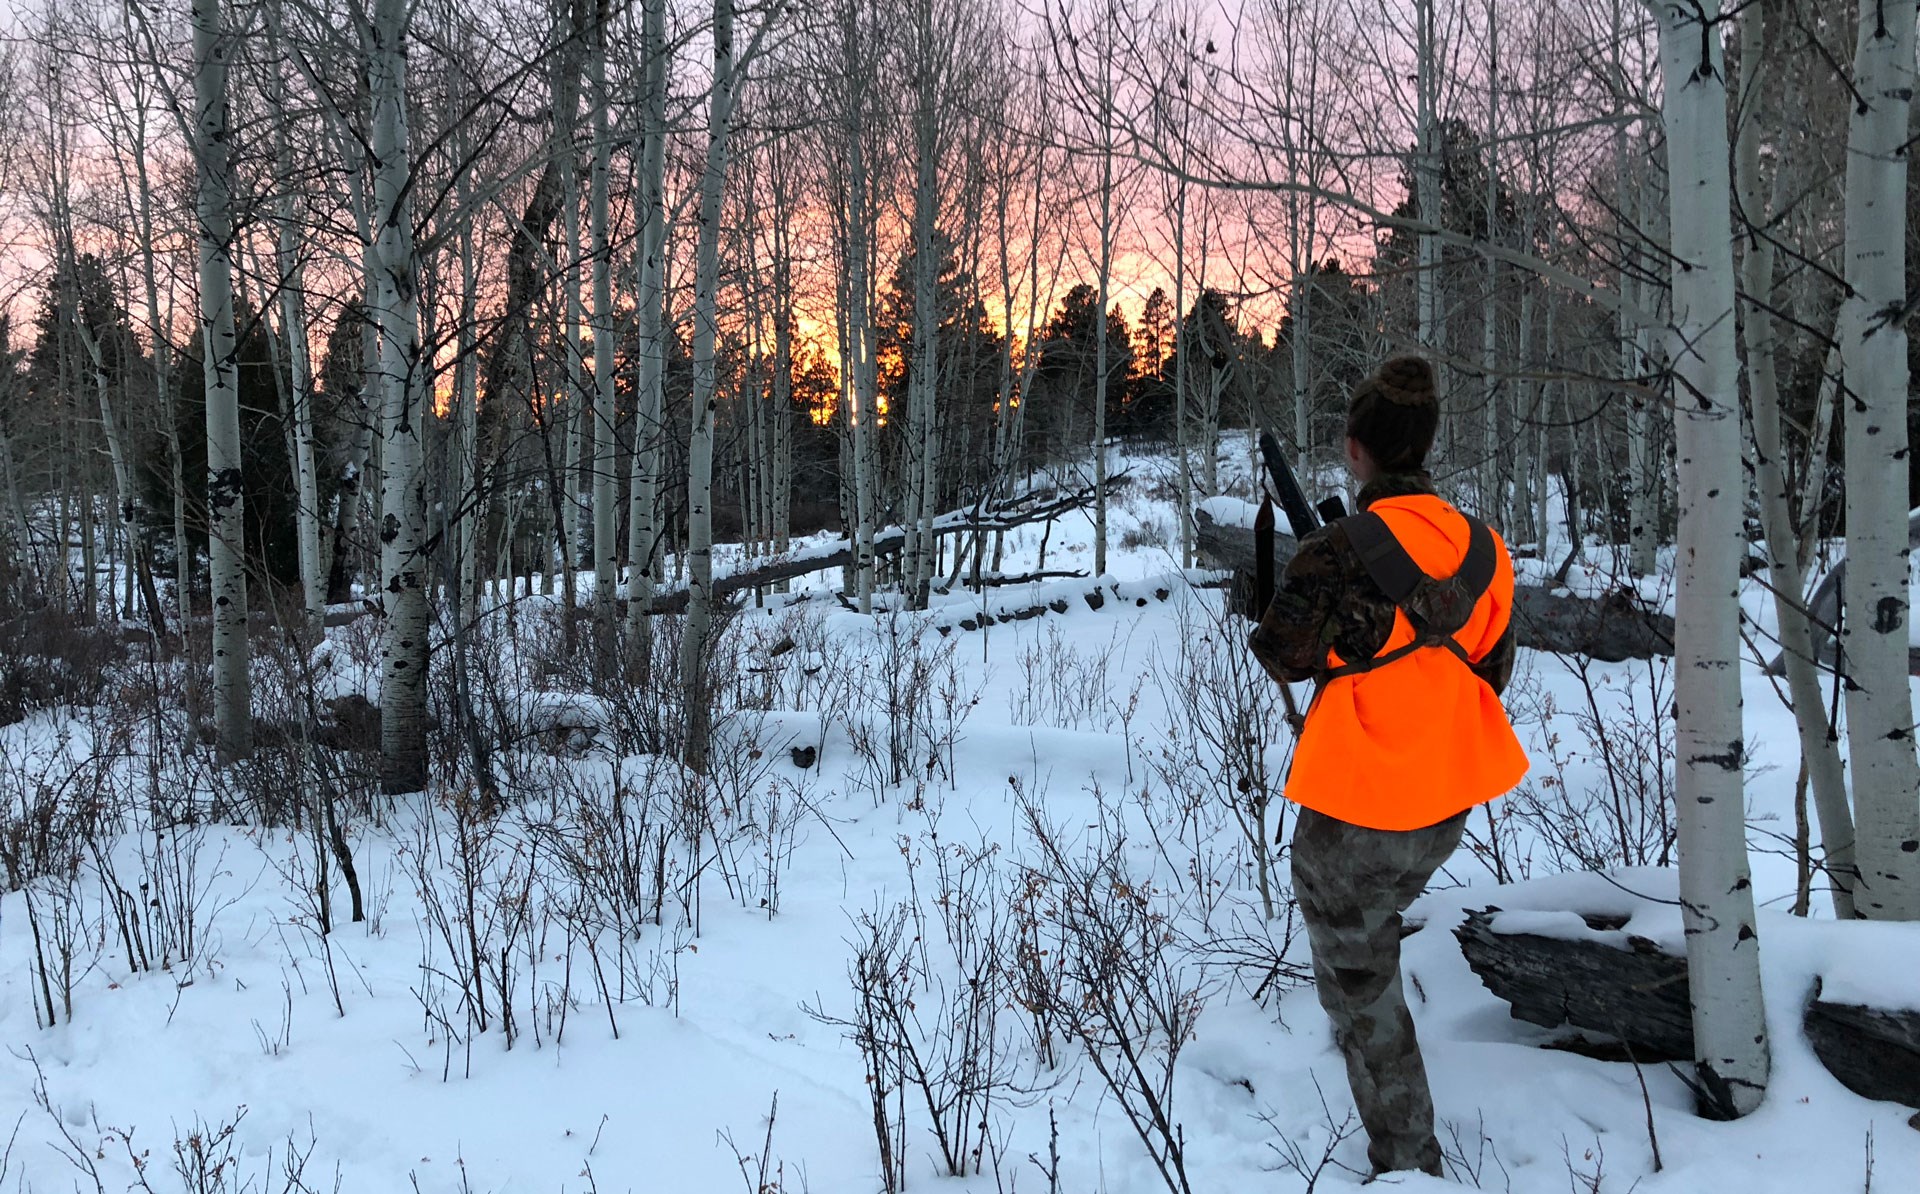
(1873, 353)
(924, 369)
(860, 384)
(126, 493)
(470, 511)
(313, 578)
(132, 112)
(1427, 187)
(1716, 894)
(1818, 750)
(606, 449)
(785, 193)
(696, 639)
(573, 413)
(1201, 343)
(643, 531)
(1492, 480)
(1182, 433)
(1104, 104)
(1643, 472)
(226, 523)
(403, 521)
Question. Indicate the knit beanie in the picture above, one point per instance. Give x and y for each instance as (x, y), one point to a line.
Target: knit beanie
(1394, 413)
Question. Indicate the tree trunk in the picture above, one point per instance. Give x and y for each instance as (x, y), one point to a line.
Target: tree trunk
(313, 580)
(403, 562)
(924, 366)
(1723, 949)
(1427, 191)
(506, 385)
(572, 413)
(862, 385)
(643, 529)
(226, 536)
(606, 449)
(470, 507)
(127, 494)
(1643, 484)
(1103, 285)
(1873, 353)
(1818, 748)
(162, 360)
(696, 640)
(1491, 479)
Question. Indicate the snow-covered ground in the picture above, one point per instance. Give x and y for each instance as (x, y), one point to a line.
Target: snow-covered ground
(620, 1054)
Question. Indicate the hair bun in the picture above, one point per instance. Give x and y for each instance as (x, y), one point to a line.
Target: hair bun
(1406, 381)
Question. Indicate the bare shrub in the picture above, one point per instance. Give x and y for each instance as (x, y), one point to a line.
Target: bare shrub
(917, 701)
(762, 1172)
(50, 657)
(625, 879)
(1127, 992)
(1310, 1155)
(1605, 800)
(1224, 711)
(55, 798)
(207, 1158)
(928, 1000)
(478, 923)
(1061, 687)
(1149, 534)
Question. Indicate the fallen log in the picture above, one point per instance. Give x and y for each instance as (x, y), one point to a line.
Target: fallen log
(1633, 991)
(1057, 599)
(1040, 506)
(1002, 580)
(1628, 987)
(1612, 627)
(1880, 1048)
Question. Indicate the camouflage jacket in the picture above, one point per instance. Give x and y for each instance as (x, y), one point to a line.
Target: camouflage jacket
(1326, 599)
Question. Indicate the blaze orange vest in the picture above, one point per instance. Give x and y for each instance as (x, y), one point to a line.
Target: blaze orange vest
(1419, 737)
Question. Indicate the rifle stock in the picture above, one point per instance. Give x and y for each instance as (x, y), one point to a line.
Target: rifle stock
(1262, 560)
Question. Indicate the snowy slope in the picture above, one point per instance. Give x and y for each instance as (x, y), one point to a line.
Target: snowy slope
(731, 1002)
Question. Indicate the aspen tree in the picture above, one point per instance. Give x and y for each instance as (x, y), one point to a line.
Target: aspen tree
(1818, 750)
(1873, 354)
(1716, 892)
(1427, 185)
(696, 638)
(644, 533)
(403, 563)
(232, 689)
(856, 218)
(928, 57)
(313, 580)
(1490, 476)
(606, 449)
(1104, 101)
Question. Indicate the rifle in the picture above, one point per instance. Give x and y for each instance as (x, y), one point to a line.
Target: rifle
(1301, 517)
(1304, 519)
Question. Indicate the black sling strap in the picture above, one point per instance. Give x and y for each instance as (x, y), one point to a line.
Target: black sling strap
(1394, 571)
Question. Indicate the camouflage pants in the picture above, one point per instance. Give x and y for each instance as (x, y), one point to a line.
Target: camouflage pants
(1353, 884)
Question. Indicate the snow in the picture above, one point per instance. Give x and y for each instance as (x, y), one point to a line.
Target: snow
(353, 1048)
(1227, 511)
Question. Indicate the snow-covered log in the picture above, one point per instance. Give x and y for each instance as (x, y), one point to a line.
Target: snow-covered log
(1634, 992)
(1059, 598)
(841, 553)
